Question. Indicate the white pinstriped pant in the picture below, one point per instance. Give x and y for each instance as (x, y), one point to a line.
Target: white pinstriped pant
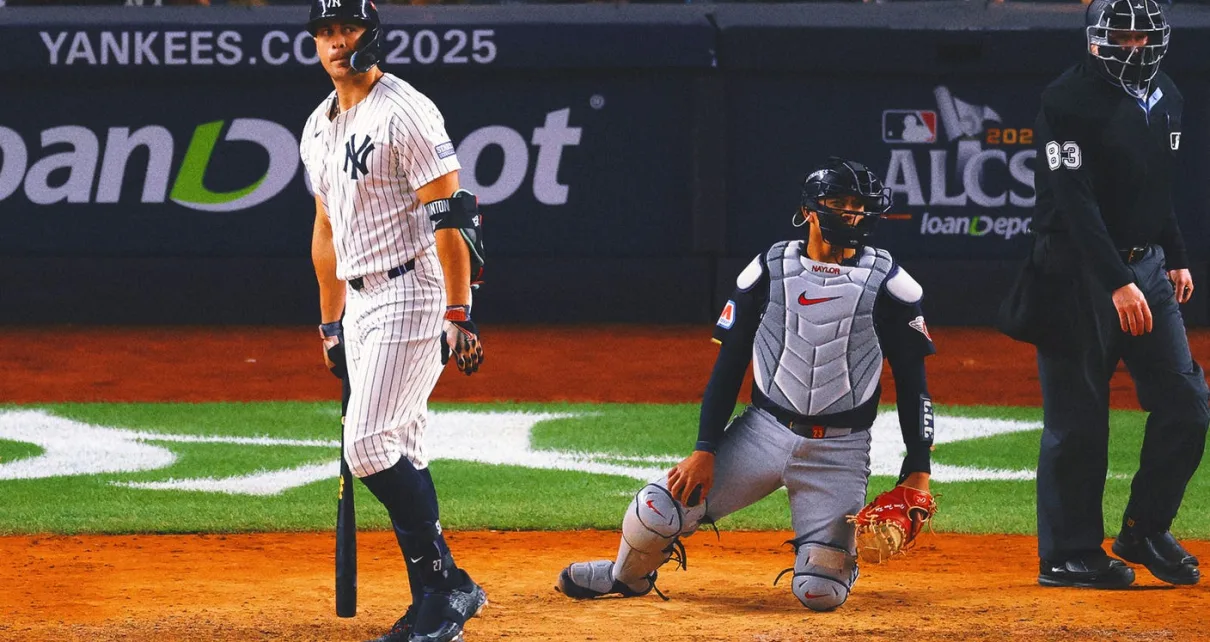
(391, 331)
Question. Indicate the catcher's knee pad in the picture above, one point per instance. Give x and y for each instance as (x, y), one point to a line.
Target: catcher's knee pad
(823, 576)
(651, 530)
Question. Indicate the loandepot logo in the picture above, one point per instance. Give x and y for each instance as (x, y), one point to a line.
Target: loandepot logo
(104, 160)
(1003, 226)
(72, 448)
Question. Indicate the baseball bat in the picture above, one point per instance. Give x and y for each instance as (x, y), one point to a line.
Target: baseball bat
(346, 526)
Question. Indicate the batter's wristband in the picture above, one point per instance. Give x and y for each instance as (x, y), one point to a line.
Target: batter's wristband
(706, 447)
(330, 329)
(457, 313)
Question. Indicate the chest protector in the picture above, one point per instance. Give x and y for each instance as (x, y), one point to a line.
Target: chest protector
(816, 352)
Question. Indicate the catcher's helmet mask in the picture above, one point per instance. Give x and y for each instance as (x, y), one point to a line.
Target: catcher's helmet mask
(368, 51)
(1110, 25)
(842, 181)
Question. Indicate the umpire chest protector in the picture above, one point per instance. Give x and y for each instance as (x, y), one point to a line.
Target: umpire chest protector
(816, 351)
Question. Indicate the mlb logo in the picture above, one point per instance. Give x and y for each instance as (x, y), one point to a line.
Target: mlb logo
(1174, 140)
(909, 126)
(727, 318)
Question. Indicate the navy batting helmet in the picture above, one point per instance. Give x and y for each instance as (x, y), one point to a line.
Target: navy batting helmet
(1131, 37)
(836, 179)
(368, 51)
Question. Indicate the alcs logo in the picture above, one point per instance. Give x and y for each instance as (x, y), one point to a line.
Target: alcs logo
(87, 155)
(965, 124)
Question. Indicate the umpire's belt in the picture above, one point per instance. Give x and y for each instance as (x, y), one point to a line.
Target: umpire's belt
(806, 427)
(1133, 254)
(359, 282)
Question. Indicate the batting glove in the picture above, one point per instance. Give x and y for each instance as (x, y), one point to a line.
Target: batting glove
(461, 340)
(333, 335)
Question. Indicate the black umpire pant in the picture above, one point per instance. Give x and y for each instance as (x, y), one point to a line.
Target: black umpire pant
(1075, 394)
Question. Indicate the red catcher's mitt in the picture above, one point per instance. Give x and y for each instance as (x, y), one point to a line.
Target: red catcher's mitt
(890, 523)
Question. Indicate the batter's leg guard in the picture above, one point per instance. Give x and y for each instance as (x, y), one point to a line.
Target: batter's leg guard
(823, 575)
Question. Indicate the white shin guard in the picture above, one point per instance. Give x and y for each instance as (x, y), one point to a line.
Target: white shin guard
(650, 530)
(823, 575)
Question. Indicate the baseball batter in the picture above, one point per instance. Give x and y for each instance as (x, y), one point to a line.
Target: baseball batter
(815, 317)
(394, 246)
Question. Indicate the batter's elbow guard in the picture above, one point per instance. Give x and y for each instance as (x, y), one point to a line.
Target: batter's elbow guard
(461, 212)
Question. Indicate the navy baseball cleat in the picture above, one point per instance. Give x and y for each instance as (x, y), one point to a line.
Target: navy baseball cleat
(1160, 553)
(443, 614)
(586, 580)
(1098, 571)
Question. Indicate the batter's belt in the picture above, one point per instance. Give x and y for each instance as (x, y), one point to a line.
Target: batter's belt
(359, 282)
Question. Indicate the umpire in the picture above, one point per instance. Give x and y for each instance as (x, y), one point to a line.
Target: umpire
(1110, 268)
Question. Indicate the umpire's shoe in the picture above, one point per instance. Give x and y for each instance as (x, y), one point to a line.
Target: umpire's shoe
(442, 614)
(1094, 570)
(586, 580)
(1160, 553)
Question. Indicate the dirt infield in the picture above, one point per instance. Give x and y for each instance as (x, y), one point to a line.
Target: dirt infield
(595, 363)
(279, 586)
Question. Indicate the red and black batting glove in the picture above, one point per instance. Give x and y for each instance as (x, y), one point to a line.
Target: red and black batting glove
(461, 340)
(333, 335)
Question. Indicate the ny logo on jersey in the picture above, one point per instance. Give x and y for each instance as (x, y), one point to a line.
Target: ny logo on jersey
(356, 156)
(328, 5)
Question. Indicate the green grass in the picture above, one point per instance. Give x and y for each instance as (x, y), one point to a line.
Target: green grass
(638, 429)
(14, 450)
(476, 495)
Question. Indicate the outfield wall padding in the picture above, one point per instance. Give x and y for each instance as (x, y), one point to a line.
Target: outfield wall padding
(629, 158)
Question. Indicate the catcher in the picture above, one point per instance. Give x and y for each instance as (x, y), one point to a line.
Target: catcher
(815, 317)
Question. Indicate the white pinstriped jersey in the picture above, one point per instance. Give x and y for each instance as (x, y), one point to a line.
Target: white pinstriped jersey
(366, 164)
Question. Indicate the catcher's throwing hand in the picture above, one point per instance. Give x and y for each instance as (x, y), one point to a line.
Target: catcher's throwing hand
(890, 523)
(461, 340)
(690, 481)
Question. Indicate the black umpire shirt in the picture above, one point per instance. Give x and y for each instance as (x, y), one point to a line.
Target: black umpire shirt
(1104, 169)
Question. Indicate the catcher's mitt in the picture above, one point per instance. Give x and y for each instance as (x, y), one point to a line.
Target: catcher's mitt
(890, 523)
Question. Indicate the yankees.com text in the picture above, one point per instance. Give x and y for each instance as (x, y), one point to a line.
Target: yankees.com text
(231, 47)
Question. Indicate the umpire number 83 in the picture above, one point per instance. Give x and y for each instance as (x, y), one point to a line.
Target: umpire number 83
(1066, 155)
(454, 47)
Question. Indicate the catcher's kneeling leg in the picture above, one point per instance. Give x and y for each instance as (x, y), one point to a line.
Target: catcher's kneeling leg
(651, 531)
(823, 575)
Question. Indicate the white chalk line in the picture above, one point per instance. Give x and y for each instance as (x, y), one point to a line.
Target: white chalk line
(501, 438)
